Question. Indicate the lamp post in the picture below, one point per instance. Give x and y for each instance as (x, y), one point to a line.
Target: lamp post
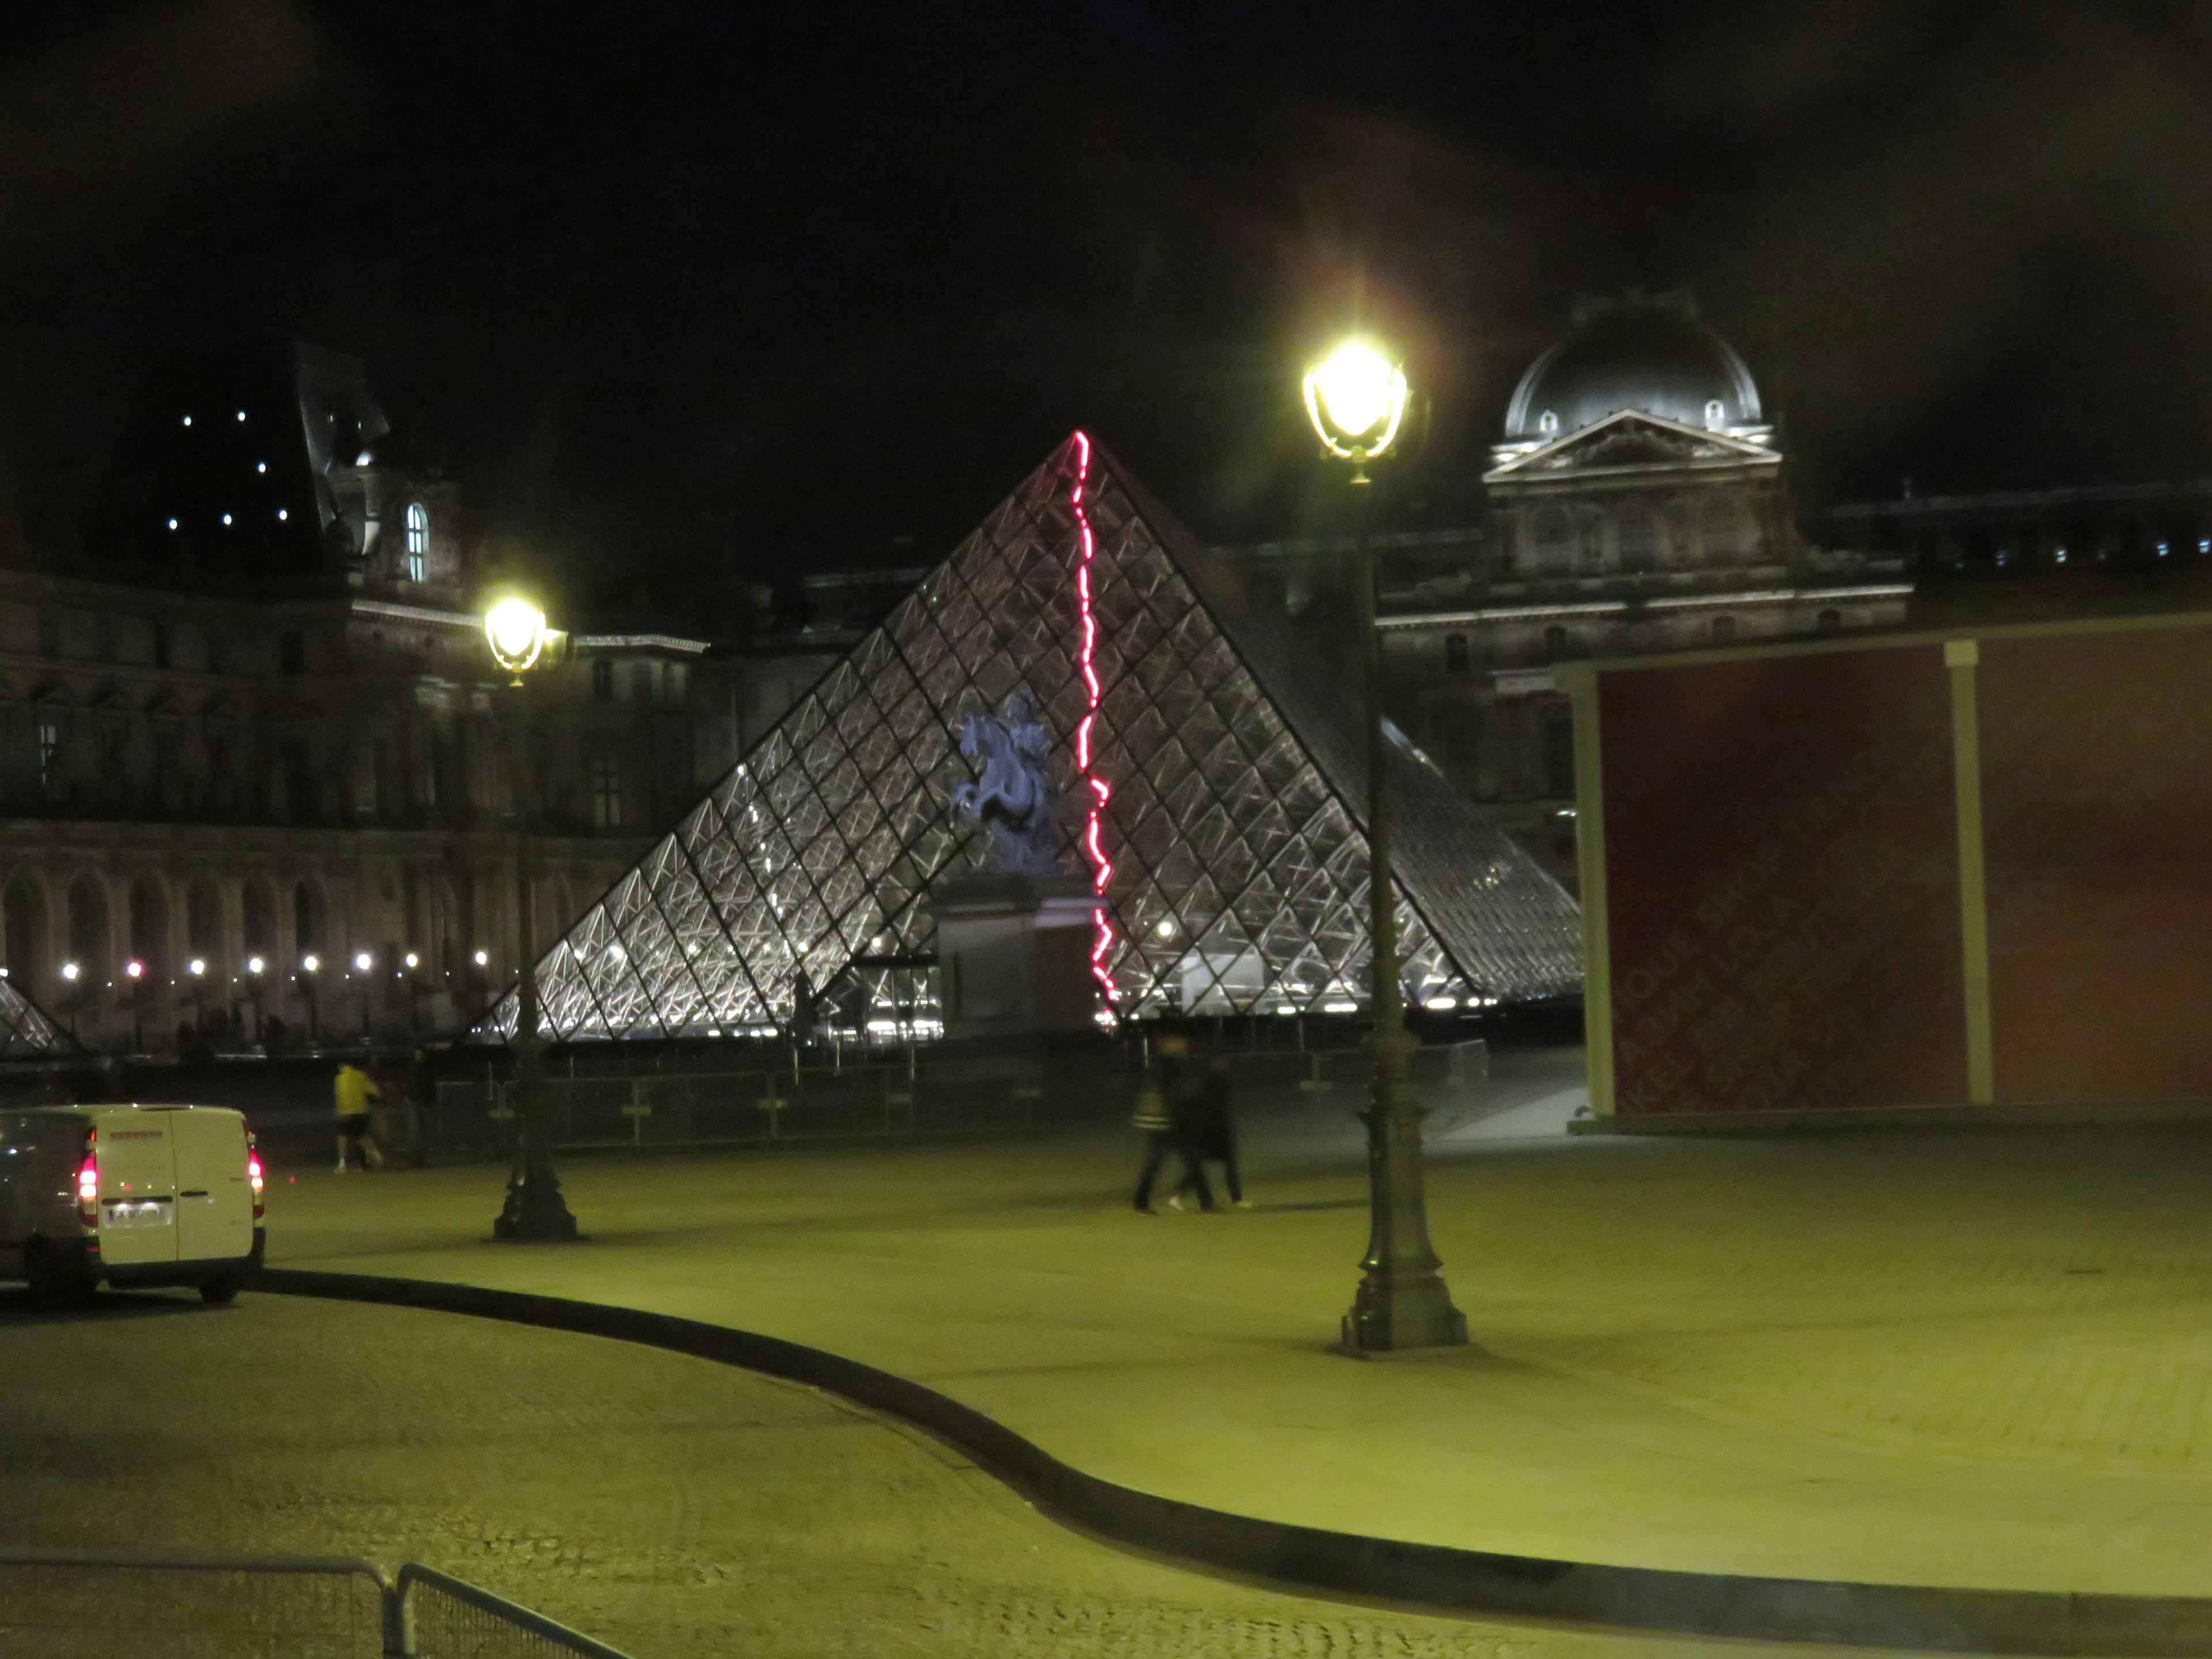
(535, 1211)
(255, 967)
(136, 970)
(1356, 398)
(309, 965)
(69, 972)
(365, 966)
(198, 969)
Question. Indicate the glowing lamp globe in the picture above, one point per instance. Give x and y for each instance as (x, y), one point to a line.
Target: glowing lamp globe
(1356, 398)
(515, 630)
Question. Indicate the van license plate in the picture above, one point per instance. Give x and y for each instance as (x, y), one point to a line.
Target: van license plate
(136, 1212)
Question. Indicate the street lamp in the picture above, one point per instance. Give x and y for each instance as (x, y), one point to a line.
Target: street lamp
(255, 967)
(363, 962)
(1356, 399)
(309, 965)
(535, 1211)
(198, 969)
(137, 971)
(69, 972)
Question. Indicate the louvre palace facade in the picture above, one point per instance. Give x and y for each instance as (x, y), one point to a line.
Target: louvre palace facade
(254, 756)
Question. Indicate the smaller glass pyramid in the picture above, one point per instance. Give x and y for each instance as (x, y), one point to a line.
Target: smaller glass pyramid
(28, 1031)
(1213, 784)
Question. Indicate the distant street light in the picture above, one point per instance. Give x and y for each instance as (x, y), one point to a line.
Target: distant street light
(198, 969)
(135, 970)
(309, 965)
(1356, 399)
(255, 967)
(535, 1211)
(363, 962)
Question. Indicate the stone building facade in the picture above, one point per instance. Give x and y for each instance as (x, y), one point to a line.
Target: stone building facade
(254, 756)
(1636, 502)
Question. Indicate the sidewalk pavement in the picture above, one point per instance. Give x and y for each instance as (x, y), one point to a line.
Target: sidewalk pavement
(1978, 1358)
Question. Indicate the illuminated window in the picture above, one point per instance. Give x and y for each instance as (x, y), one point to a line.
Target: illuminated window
(606, 794)
(1455, 653)
(1716, 413)
(1547, 424)
(418, 541)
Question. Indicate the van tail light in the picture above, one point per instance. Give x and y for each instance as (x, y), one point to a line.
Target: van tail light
(87, 1184)
(254, 1176)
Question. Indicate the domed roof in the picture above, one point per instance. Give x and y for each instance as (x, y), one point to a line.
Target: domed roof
(1642, 353)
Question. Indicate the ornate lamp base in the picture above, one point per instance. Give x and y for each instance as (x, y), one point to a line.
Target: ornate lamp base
(1412, 1311)
(536, 1213)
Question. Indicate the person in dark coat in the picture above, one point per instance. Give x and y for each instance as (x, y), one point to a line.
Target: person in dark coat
(1166, 1112)
(1212, 1135)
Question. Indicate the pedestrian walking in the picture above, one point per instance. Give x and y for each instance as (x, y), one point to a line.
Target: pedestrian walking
(1164, 1112)
(354, 1088)
(1212, 1136)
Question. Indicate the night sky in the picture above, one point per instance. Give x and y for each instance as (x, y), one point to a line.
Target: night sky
(691, 290)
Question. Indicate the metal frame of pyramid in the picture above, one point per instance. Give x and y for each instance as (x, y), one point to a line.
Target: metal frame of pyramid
(1215, 800)
(29, 1031)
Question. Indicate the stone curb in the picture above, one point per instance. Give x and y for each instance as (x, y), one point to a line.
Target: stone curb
(1639, 1599)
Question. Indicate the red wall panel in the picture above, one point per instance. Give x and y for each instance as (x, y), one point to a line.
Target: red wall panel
(1781, 866)
(2097, 803)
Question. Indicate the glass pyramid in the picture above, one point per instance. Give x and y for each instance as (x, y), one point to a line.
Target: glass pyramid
(1214, 796)
(26, 1030)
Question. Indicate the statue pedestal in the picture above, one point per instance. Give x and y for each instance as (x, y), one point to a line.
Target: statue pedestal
(1013, 953)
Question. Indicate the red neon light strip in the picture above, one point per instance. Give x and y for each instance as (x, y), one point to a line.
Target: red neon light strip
(1101, 867)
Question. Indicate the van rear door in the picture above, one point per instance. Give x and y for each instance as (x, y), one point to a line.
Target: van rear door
(215, 1201)
(137, 1186)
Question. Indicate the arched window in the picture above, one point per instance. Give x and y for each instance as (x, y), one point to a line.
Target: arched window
(257, 912)
(1551, 543)
(150, 926)
(418, 542)
(1639, 537)
(307, 917)
(1723, 531)
(27, 935)
(1724, 628)
(204, 920)
(1455, 653)
(1716, 413)
(1555, 643)
(1831, 622)
(1547, 424)
(87, 926)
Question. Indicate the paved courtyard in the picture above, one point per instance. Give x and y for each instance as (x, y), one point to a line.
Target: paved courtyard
(678, 1509)
(1966, 1358)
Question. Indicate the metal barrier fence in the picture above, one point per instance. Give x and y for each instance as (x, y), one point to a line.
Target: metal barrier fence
(81, 1604)
(901, 1098)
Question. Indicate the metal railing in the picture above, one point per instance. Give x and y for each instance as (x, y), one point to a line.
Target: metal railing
(89, 1604)
(813, 1097)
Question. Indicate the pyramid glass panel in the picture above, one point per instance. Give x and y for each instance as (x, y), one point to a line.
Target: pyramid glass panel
(1228, 787)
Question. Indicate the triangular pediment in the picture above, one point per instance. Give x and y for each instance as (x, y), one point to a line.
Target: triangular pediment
(1630, 439)
(1215, 790)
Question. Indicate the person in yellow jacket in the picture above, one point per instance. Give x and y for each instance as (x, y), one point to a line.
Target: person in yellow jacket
(354, 1088)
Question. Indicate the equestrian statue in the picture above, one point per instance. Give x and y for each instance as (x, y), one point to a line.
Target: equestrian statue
(1017, 798)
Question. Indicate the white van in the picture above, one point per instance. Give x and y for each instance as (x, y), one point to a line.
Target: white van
(129, 1194)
